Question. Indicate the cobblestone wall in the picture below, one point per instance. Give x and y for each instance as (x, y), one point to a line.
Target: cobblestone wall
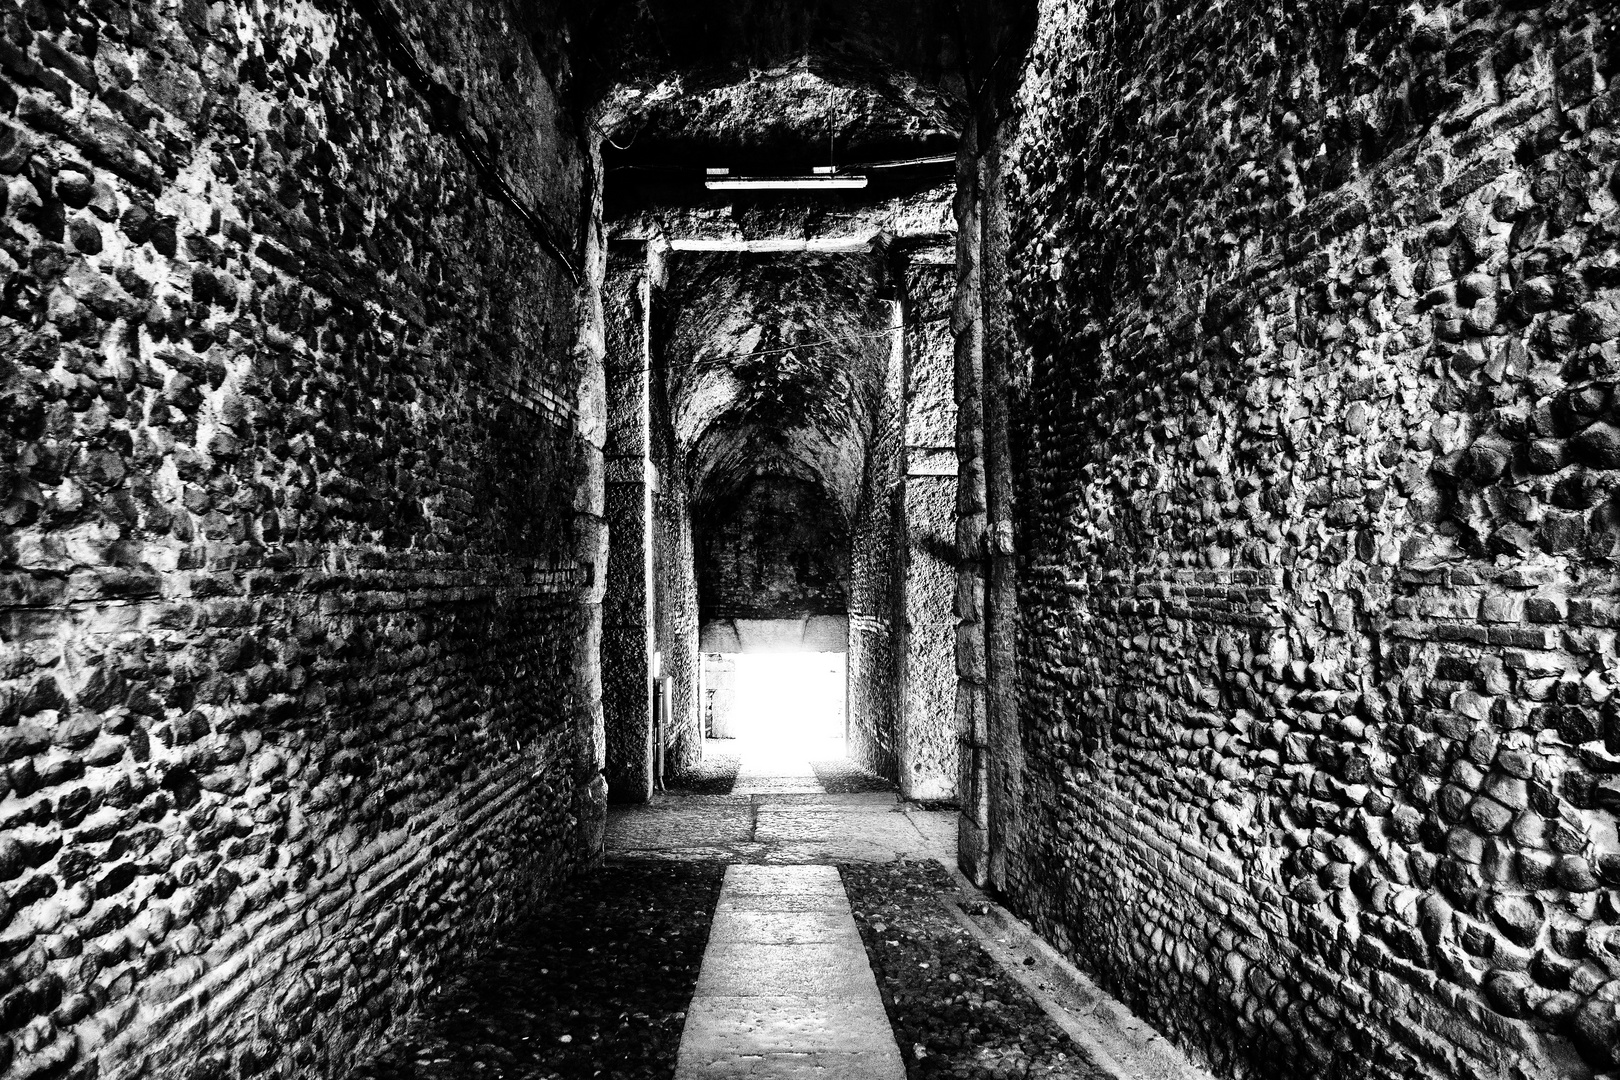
(1319, 307)
(778, 549)
(293, 703)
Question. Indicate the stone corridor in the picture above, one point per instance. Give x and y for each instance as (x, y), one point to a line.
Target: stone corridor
(778, 812)
(698, 955)
(1110, 506)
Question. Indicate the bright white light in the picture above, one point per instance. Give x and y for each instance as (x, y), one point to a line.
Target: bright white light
(792, 703)
(786, 183)
(836, 245)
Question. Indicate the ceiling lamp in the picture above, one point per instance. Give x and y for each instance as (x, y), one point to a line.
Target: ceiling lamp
(824, 178)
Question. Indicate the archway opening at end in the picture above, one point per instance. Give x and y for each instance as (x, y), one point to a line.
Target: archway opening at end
(788, 702)
(779, 713)
(792, 700)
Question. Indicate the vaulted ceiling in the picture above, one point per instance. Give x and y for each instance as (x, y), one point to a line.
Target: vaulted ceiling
(774, 361)
(774, 368)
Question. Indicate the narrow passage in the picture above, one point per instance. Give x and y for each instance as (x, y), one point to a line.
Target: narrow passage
(785, 989)
(747, 928)
(778, 810)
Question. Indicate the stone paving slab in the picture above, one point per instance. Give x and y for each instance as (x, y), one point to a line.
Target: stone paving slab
(876, 803)
(746, 924)
(762, 1024)
(785, 990)
(700, 826)
(782, 830)
(802, 823)
(779, 903)
(814, 968)
(775, 880)
(799, 1066)
(780, 786)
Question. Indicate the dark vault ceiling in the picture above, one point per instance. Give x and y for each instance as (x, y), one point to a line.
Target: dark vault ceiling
(774, 368)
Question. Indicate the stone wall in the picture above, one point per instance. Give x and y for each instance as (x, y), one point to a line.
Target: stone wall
(778, 549)
(1317, 442)
(675, 585)
(928, 733)
(876, 542)
(629, 616)
(294, 704)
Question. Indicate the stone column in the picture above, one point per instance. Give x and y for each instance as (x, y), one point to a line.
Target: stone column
(967, 327)
(929, 734)
(1005, 736)
(874, 676)
(590, 525)
(627, 609)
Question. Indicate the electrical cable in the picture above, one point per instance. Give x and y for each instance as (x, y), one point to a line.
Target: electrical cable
(633, 137)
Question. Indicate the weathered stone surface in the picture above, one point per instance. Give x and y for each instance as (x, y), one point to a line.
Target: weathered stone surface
(1316, 524)
(929, 739)
(291, 702)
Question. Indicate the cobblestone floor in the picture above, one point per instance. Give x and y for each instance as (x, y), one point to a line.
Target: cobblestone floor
(956, 1013)
(596, 985)
(841, 776)
(716, 774)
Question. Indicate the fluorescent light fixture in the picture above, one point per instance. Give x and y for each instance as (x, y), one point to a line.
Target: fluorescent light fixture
(831, 245)
(823, 179)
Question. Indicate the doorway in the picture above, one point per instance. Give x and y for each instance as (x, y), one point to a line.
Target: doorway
(771, 699)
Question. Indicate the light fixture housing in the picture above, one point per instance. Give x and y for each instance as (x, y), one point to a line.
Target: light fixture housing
(823, 179)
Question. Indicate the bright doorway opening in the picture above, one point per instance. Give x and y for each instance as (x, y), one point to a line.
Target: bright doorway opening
(790, 701)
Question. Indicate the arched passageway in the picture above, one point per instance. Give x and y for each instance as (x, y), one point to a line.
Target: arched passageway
(1183, 439)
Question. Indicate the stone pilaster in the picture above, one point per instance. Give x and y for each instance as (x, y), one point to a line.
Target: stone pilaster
(627, 608)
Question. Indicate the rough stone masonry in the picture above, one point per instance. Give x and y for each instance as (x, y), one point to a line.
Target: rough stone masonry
(1316, 315)
(1231, 515)
(296, 587)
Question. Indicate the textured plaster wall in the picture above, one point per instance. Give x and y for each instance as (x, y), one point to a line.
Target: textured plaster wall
(1317, 308)
(294, 695)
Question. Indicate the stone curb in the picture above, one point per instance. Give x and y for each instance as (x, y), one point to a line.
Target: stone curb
(1122, 1045)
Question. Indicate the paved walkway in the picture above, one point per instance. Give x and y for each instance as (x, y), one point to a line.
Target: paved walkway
(778, 813)
(785, 990)
(722, 942)
(782, 768)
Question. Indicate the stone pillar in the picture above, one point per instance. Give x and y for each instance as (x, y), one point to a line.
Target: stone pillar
(1005, 736)
(627, 610)
(590, 523)
(967, 327)
(929, 735)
